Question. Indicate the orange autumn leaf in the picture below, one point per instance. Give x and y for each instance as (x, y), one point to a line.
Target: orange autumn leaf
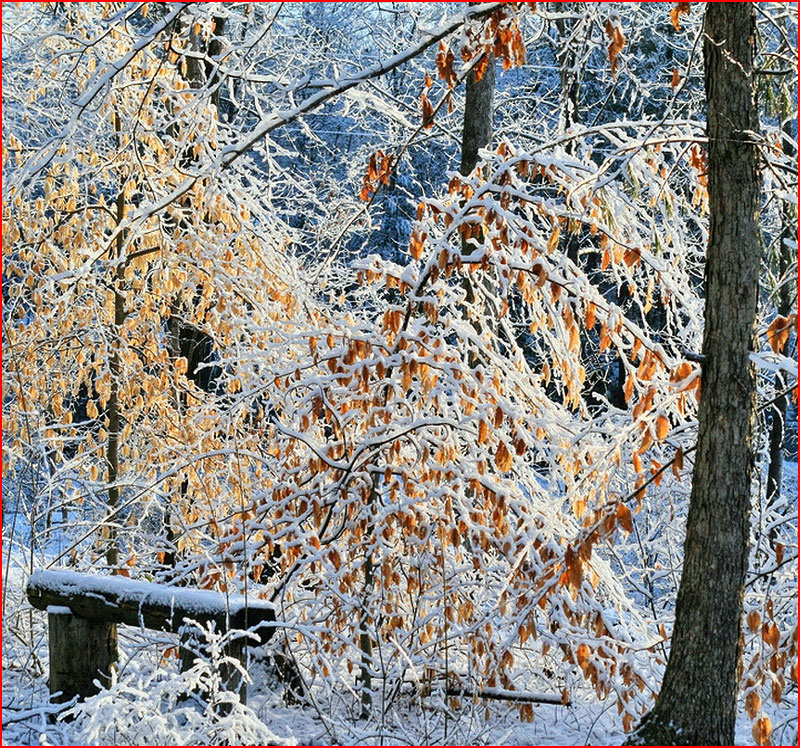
(590, 318)
(631, 257)
(444, 65)
(624, 518)
(427, 112)
(677, 462)
(502, 458)
(762, 729)
(582, 655)
(771, 634)
(615, 47)
(655, 471)
(498, 417)
(552, 242)
(676, 78)
(662, 427)
(574, 570)
(752, 704)
(778, 333)
(676, 13)
(417, 243)
(480, 68)
(628, 388)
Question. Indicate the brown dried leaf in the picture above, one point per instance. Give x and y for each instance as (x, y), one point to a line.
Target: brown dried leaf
(676, 13)
(677, 462)
(582, 655)
(502, 458)
(752, 704)
(762, 729)
(624, 517)
(574, 568)
(615, 47)
(427, 112)
(552, 242)
(771, 635)
(778, 333)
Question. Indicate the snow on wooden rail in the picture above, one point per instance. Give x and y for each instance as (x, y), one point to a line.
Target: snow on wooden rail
(116, 599)
(84, 610)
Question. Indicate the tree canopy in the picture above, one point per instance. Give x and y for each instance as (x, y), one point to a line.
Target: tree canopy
(262, 335)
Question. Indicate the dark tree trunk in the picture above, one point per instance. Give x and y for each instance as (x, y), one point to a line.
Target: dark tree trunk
(477, 134)
(570, 74)
(570, 69)
(785, 302)
(183, 339)
(115, 367)
(478, 110)
(697, 703)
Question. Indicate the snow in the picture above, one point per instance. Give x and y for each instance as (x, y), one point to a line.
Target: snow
(59, 610)
(249, 188)
(198, 601)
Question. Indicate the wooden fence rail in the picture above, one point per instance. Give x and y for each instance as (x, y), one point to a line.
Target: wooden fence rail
(85, 609)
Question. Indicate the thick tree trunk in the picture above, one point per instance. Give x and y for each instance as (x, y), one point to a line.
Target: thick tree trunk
(697, 703)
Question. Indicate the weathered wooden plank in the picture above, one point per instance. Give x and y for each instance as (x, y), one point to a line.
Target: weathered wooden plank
(81, 652)
(145, 604)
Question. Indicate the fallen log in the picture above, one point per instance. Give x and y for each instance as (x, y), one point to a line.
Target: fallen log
(503, 694)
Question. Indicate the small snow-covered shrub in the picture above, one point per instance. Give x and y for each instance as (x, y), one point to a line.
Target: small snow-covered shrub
(172, 708)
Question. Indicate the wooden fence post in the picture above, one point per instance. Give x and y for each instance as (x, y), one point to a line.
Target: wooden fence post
(84, 610)
(81, 651)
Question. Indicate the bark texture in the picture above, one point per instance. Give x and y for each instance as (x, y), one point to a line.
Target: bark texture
(477, 134)
(81, 652)
(478, 110)
(697, 703)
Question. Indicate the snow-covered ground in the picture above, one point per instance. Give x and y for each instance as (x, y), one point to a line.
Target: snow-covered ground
(151, 702)
(144, 709)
